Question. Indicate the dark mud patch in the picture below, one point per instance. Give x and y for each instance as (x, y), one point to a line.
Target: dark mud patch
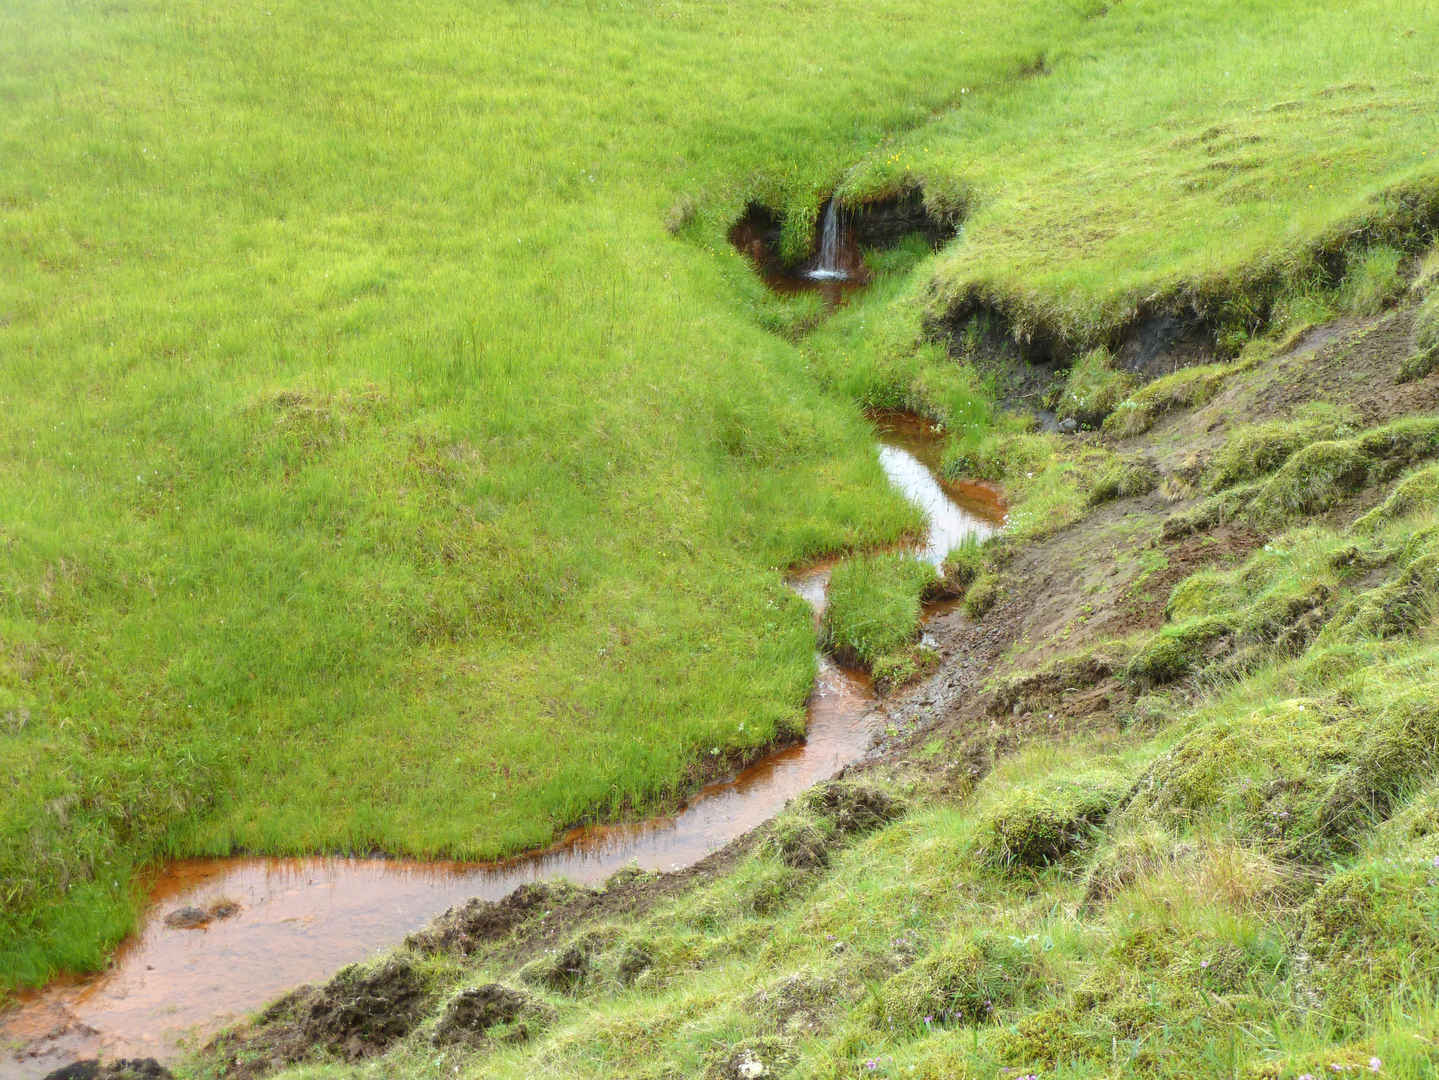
(464, 929)
(124, 1069)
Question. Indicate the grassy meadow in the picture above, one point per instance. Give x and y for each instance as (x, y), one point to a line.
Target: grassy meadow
(386, 410)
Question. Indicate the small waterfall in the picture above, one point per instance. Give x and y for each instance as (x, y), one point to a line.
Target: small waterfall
(831, 246)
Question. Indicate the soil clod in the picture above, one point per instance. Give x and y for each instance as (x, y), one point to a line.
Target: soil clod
(489, 1011)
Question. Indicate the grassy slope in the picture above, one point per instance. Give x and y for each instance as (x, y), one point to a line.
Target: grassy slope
(369, 437)
(1224, 868)
(342, 320)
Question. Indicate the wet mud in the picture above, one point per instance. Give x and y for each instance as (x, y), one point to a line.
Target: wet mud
(221, 937)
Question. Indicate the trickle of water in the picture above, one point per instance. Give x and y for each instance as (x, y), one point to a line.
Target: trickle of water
(830, 266)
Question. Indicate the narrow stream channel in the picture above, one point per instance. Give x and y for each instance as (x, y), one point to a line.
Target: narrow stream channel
(301, 919)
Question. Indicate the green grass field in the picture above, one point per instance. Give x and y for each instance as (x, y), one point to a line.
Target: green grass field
(385, 410)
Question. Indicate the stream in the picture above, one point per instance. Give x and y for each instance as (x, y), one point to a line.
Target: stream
(299, 919)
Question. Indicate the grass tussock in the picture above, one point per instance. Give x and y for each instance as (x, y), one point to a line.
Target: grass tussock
(874, 609)
(1093, 389)
(1183, 389)
(1374, 281)
(1256, 450)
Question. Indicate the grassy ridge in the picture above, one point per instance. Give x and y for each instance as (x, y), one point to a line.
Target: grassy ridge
(370, 437)
(1172, 153)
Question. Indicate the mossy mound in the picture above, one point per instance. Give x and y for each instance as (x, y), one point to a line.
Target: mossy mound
(1319, 476)
(1036, 824)
(1124, 477)
(1184, 389)
(492, 1012)
(1256, 450)
(1415, 493)
(1371, 928)
(966, 980)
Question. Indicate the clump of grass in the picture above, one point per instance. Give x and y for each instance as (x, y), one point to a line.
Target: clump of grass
(1177, 650)
(1373, 281)
(1092, 388)
(963, 566)
(1125, 477)
(1184, 389)
(1322, 474)
(1370, 928)
(1426, 330)
(964, 981)
(874, 608)
(1311, 481)
(1399, 606)
(983, 593)
(1418, 365)
(1038, 823)
(1137, 852)
(1415, 493)
(998, 454)
(1255, 450)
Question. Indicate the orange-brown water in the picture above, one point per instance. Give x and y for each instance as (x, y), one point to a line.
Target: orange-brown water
(300, 919)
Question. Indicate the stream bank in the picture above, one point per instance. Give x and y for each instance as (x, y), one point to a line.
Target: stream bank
(221, 937)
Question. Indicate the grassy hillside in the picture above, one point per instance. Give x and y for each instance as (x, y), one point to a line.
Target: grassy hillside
(387, 410)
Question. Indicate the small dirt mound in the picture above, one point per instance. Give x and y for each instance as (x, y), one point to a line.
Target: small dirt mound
(634, 962)
(800, 845)
(565, 970)
(465, 928)
(490, 1011)
(854, 807)
(360, 1012)
(357, 1014)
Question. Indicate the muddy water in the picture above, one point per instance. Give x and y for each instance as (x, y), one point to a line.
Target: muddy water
(300, 919)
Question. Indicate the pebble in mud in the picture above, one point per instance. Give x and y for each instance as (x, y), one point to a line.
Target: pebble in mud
(187, 918)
